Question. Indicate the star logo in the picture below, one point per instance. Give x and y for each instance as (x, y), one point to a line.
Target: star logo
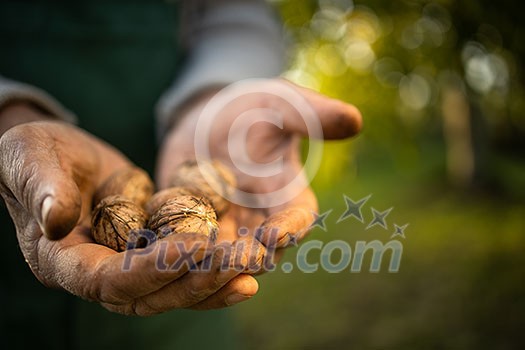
(379, 218)
(319, 219)
(354, 208)
(399, 231)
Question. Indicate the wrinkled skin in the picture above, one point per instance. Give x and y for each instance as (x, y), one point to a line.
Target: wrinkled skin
(48, 174)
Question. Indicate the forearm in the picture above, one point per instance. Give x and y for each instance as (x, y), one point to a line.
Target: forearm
(19, 112)
(22, 103)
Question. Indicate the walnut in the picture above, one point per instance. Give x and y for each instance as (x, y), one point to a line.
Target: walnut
(185, 214)
(163, 196)
(216, 183)
(113, 220)
(132, 183)
(191, 205)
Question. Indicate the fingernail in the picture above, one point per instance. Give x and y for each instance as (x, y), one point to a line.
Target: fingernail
(233, 299)
(47, 203)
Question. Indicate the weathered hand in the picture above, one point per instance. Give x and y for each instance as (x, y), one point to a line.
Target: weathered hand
(48, 174)
(240, 134)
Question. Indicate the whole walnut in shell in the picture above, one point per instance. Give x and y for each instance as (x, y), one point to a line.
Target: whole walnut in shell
(131, 183)
(209, 179)
(185, 214)
(163, 196)
(114, 218)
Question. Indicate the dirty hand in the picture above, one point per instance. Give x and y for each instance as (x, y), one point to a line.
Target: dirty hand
(49, 172)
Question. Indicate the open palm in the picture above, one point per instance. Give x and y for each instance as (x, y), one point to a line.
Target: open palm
(257, 135)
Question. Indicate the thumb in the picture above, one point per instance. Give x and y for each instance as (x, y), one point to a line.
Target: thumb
(31, 172)
(338, 119)
(55, 202)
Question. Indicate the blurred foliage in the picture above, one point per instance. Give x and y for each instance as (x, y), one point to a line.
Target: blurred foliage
(394, 59)
(461, 280)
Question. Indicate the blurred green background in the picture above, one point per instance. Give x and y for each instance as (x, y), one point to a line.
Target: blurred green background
(441, 88)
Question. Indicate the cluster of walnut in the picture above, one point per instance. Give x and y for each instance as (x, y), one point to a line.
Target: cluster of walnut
(126, 203)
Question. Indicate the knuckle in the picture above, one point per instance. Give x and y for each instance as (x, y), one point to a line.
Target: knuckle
(129, 309)
(103, 289)
(141, 307)
(20, 137)
(202, 288)
(196, 294)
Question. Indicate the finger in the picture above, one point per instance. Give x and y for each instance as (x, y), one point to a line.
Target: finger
(338, 119)
(241, 288)
(286, 227)
(226, 262)
(238, 221)
(97, 273)
(31, 172)
(248, 255)
(289, 223)
(211, 275)
(271, 259)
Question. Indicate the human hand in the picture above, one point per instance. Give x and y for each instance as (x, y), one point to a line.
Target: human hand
(243, 136)
(49, 172)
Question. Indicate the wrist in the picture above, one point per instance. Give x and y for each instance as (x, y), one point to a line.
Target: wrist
(181, 130)
(178, 143)
(19, 112)
(189, 109)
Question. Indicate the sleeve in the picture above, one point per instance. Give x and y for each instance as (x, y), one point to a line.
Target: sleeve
(15, 91)
(226, 41)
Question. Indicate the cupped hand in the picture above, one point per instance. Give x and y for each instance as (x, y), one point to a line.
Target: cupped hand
(48, 174)
(251, 132)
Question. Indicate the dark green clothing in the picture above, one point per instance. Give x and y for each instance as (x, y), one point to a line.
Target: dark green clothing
(108, 62)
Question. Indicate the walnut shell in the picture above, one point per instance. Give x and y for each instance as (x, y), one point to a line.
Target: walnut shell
(216, 184)
(185, 214)
(114, 218)
(163, 196)
(131, 183)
